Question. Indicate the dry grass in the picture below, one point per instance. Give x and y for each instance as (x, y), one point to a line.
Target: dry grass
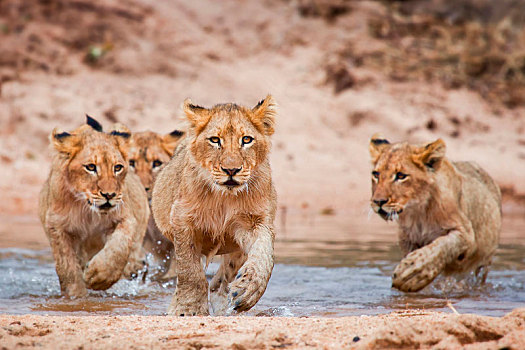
(470, 43)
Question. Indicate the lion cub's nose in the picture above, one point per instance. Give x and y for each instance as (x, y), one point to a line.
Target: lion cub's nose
(108, 196)
(231, 172)
(380, 202)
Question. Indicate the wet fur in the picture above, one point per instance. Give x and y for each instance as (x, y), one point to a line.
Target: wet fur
(449, 213)
(92, 248)
(203, 217)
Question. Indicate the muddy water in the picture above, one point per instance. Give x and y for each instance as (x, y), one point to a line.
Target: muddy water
(324, 268)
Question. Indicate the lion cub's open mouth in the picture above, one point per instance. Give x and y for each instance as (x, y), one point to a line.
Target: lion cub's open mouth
(382, 213)
(105, 206)
(231, 183)
(389, 215)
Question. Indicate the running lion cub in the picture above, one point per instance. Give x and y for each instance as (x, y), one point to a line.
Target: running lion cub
(148, 152)
(449, 213)
(93, 210)
(216, 196)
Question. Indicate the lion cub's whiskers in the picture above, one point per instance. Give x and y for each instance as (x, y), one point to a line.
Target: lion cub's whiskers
(395, 216)
(93, 207)
(118, 206)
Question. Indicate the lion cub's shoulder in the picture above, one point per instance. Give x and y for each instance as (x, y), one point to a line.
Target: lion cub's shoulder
(472, 171)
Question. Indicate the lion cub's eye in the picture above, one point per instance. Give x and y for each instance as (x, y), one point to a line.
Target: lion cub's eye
(375, 174)
(132, 162)
(156, 163)
(91, 167)
(118, 168)
(400, 176)
(215, 140)
(247, 140)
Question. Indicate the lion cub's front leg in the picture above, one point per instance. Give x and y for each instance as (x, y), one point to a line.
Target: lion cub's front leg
(106, 267)
(219, 286)
(252, 279)
(67, 265)
(191, 294)
(422, 266)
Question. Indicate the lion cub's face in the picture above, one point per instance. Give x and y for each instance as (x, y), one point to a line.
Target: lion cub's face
(230, 141)
(149, 151)
(96, 165)
(402, 175)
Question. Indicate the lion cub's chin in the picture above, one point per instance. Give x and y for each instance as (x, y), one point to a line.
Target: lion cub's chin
(391, 215)
(230, 187)
(103, 208)
(107, 208)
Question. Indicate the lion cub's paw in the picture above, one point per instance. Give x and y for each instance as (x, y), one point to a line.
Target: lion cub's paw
(246, 289)
(76, 290)
(99, 274)
(133, 269)
(200, 309)
(417, 270)
(219, 303)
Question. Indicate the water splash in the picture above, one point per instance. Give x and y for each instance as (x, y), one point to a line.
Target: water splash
(28, 284)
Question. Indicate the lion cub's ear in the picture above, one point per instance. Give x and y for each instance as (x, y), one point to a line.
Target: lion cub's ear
(377, 145)
(123, 137)
(197, 115)
(65, 142)
(170, 141)
(430, 155)
(93, 123)
(264, 115)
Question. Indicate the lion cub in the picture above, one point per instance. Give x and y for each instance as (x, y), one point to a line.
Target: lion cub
(148, 152)
(216, 196)
(93, 211)
(449, 213)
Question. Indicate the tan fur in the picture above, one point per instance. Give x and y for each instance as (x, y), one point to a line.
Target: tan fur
(93, 245)
(148, 152)
(204, 210)
(449, 213)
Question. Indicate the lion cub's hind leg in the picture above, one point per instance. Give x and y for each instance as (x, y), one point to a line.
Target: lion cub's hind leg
(169, 268)
(230, 265)
(482, 272)
(136, 261)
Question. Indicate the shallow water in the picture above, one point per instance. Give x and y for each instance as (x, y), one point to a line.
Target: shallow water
(312, 277)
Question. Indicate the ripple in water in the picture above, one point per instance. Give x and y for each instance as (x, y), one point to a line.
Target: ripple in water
(28, 284)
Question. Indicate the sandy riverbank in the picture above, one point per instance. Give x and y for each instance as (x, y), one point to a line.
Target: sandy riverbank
(411, 329)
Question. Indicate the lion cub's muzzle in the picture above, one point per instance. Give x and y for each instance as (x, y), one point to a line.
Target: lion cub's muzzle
(105, 202)
(231, 182)
(385, 210)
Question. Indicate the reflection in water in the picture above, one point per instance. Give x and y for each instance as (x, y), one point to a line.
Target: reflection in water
(331, 278)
